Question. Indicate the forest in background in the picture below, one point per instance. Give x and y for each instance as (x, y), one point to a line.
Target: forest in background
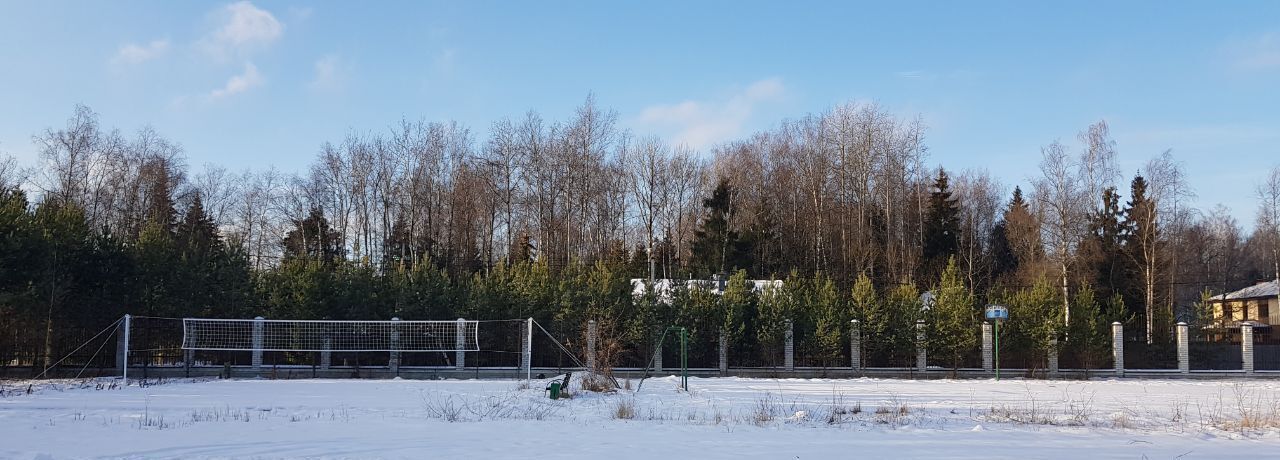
(551, 219)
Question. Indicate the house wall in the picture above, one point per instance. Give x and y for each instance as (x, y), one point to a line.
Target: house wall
(1263, 310)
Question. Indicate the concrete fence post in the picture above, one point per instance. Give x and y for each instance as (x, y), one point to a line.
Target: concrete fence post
(724, 353)
(1246, 348)
(922, 359)
(460, 345)
(258, 324)
(526, 358)
(393, 362)
(1184, 349)
(855, 345)
(657, 359)
(326, 355)
(1053, 357)
(789, 349)
(987, 360)
(591, 345)
(1117, 347)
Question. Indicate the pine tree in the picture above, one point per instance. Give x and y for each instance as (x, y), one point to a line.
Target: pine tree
(952, 321)
(313, 239)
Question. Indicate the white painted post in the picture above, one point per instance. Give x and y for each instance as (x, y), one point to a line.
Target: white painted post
(855, 345)
(922, 359)
(1053, 357)
(257, 344)
(1246, 348)
(460, 344)
(724, 353)
(1117, 347)
(394, 361)
(1184, 349)
(987, 361)
(789, 349)
(122, 350)
(591, 345)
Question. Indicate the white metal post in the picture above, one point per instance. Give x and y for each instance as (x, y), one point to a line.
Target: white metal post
(257, 344)
(394, 362)
(124, 370)
(789, 358)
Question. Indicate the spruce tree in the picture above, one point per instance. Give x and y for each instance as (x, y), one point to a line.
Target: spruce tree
(717, 247)
(941, 227)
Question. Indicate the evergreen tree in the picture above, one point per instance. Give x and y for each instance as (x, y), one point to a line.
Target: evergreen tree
(831, 319)
(313, 239)
(1108, 267)
(941, 227)
(952, 320)
(717, 248)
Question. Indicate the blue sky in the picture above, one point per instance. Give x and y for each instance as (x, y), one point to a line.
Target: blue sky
(247, 85)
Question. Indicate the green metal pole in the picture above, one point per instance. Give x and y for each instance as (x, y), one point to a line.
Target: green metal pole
(684, 358)
(997, 350)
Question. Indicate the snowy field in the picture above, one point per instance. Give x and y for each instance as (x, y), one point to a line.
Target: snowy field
(718, 418)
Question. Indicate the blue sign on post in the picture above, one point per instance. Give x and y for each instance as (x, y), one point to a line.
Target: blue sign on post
(996, 314)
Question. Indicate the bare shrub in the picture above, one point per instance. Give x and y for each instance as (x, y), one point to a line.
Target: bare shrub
(624, 409)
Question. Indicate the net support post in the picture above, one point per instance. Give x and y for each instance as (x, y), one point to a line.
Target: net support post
(987, 362)
(1053, 357)
(788, 347)
(122, 350)
(855, 345)
(1117, 347)
(724, 353)
(1246, 348)
(258, 324)
(393, 361)
(1184, 349)
(460, 345)
(922, 357)
(591, 345)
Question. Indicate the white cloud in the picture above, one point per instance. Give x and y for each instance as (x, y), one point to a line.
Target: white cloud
(244, 28)
(133, 53)
(1256, 53)
(328, 74)
(239, 83)
(701, 124)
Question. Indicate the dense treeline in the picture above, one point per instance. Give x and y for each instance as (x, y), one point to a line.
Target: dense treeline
(551, 219)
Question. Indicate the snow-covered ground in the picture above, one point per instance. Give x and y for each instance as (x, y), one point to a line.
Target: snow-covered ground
(718, 418)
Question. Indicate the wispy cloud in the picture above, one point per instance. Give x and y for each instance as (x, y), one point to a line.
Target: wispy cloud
(243, 28)
(133, 53)
(328, 74)
(1260, 52)
(700, 124)
(237, 84)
